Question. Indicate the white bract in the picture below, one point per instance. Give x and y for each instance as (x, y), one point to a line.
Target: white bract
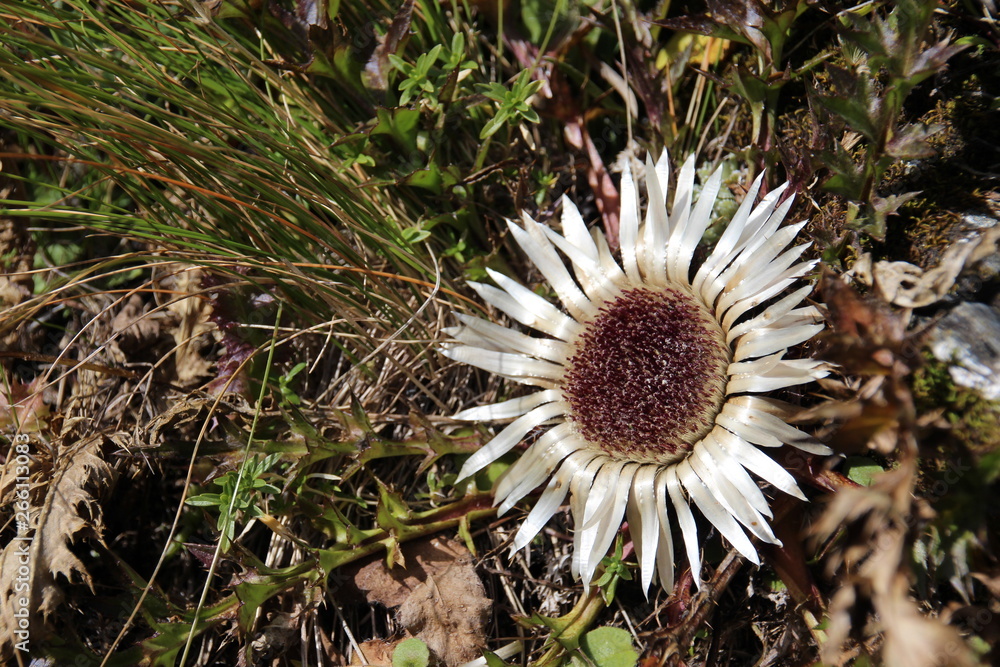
(649, 382)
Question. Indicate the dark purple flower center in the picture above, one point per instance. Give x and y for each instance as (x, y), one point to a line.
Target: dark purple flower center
(648, 375)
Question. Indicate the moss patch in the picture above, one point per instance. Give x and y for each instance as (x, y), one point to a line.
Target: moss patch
(974, 420)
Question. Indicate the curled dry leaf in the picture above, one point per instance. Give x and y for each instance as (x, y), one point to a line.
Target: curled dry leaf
(439, 597)
(906, 285)
(376, 70)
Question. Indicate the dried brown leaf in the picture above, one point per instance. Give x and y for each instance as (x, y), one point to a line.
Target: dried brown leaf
(376, 652)
(909, 286)
(872, 562)
(191, 326)
(68, 496)
(914, 640)
(865, 336)
(134, 325)
(439, 595)
(22, 405)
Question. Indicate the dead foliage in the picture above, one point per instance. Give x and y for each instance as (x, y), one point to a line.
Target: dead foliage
(867, 533)
(437, 595)
(67, 481)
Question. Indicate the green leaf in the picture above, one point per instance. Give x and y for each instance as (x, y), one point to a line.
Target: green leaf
(411, 653)
(429, 178)
(205, 499)
(607, 647)
(860, 114)
(492, 126)
(415, 234)
(748, 86)
(862, 470)
(848, 178)
(989, 467)
(400, 64)
(493, 660)
(400, 124)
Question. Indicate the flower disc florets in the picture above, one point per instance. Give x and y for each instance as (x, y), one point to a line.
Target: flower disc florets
(646, 378)
(650, 377)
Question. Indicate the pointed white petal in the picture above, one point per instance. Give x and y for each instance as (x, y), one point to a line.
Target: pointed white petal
(469, 338)
(760, 253)
(610, 522)
(763, 342)
(757, 232)
(589, 272)
(537, 247)
(786, 373)
(604, 484)
(629, 227)
(684, 194)
(516, 366)
(508, 438)
(771, 314)
(762, 278)
(665, 546)
(575, 229)
(643, 525)
(646, 246)
(751, 263)
(767, 217)
(730, 498)
(760, 464)
(532, 468)
(761, 422)
(548, 504)
(780, 284)
(526, 307)
(804, 316)
(515, 407)
(762, 225)
(581, 486)
(689, 530)
(718, 515)
(715, 263)
(679, 218)
(713, 456)
(584, 540)
(608, 263)
(700, 218)
(754, 366)
(663, 174)
(734, 491)
(657, 228)
(508, 340)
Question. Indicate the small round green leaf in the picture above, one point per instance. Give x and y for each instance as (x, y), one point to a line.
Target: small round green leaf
(411, 653)
(609, 647)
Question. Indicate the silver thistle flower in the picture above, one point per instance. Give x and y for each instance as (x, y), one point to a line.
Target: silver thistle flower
(650, 384)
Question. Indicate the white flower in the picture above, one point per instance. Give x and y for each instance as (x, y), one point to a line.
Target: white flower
(649, 384)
